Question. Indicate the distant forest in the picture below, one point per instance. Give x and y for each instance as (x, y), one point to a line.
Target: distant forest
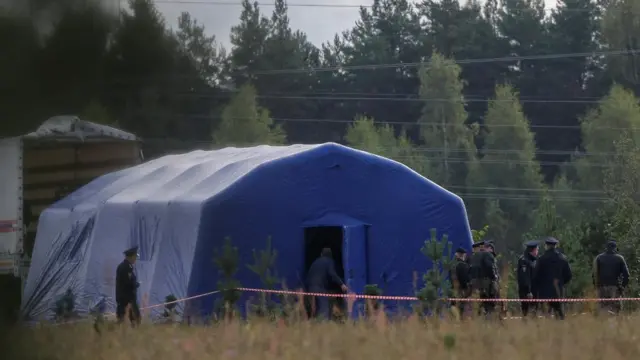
(528, 113)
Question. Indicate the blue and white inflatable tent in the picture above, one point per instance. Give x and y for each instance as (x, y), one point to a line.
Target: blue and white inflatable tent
(373, 212)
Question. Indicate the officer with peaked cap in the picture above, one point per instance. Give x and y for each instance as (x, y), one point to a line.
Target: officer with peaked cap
(490, 247)
(483, 275)
(526, 264)
(474, 249)
(460, 279)
(551, 274)
(127, 287)
(610, 276)
(474, 263)
(491, 282)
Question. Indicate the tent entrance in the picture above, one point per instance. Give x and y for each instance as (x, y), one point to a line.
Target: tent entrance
(317, 238)
(320, 237)
(348, 243)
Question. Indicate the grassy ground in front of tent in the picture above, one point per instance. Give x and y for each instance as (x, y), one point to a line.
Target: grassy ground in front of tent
(578, 337)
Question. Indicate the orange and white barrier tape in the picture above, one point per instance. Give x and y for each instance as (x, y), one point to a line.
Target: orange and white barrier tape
(413, 298)
(180, 300)
(350, 295)
(381, 297)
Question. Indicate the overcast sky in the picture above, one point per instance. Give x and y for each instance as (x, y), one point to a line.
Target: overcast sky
(319, 23)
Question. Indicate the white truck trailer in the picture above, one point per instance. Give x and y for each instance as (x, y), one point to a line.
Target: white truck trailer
(40, 168)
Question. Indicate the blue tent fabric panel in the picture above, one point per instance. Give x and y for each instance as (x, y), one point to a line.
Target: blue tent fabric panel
(333, 219)
(179, 209)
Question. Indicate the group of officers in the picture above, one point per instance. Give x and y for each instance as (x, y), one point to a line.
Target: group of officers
(539, 277)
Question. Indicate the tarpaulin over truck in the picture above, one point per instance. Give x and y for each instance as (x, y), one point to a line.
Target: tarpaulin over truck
(45, 165)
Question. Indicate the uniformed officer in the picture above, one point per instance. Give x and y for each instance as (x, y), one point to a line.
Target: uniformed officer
(610, 276)
(320, 276)
(492, 280)
(526, 264)
(474, 249)
(550, 275)
(460, 278)
(490, 247)
(474, 265)
(483, 275)
(127, 287)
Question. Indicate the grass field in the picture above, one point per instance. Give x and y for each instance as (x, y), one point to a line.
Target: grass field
(579, 337)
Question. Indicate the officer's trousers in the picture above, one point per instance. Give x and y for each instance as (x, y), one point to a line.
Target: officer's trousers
(557, 309)
(320, 305)
(526, 306)
(134, 311)
(610, 292)
(463, 306)
(489, 290)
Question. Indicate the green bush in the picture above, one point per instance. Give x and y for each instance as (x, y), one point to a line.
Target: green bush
(227, 261)
(436, 286)
(263, 265)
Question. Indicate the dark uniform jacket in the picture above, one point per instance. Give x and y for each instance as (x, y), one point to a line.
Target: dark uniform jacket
(484, 266)
(526, 264)
(126, 283)
(610, 269)
(321, 274)
(494, 274)
(484, 273)
(460, 278)
(551, 273)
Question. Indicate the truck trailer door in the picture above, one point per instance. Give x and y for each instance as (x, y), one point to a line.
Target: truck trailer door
(10, 204)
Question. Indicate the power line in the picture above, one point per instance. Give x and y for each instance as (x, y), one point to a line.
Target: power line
(485, 188)
(365, 94)
(412, 123)
(561, 195)
(425, 149)
(392, 98)
(533, 198)
(417, 99)
(500, 162)
(317, 5)
(451, 160)
(459, 62)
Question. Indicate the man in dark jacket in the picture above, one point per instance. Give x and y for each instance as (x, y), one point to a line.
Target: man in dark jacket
(320, 276)
(550, 275)
(492, 278)
(484, 276)
(610, 276)
(474, 249)
(127, 287)
(526, 264)
(475, 264)
(460, 279)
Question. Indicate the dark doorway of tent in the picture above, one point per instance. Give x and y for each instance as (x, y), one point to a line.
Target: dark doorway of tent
(317, 238)
(348, 245)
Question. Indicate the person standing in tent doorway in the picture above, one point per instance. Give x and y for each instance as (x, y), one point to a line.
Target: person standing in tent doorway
(320, 276)
(127, 287)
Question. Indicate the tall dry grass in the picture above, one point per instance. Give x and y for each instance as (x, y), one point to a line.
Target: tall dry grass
(578, 337)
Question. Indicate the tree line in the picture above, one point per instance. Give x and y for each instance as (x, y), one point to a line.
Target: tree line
(529, 114)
